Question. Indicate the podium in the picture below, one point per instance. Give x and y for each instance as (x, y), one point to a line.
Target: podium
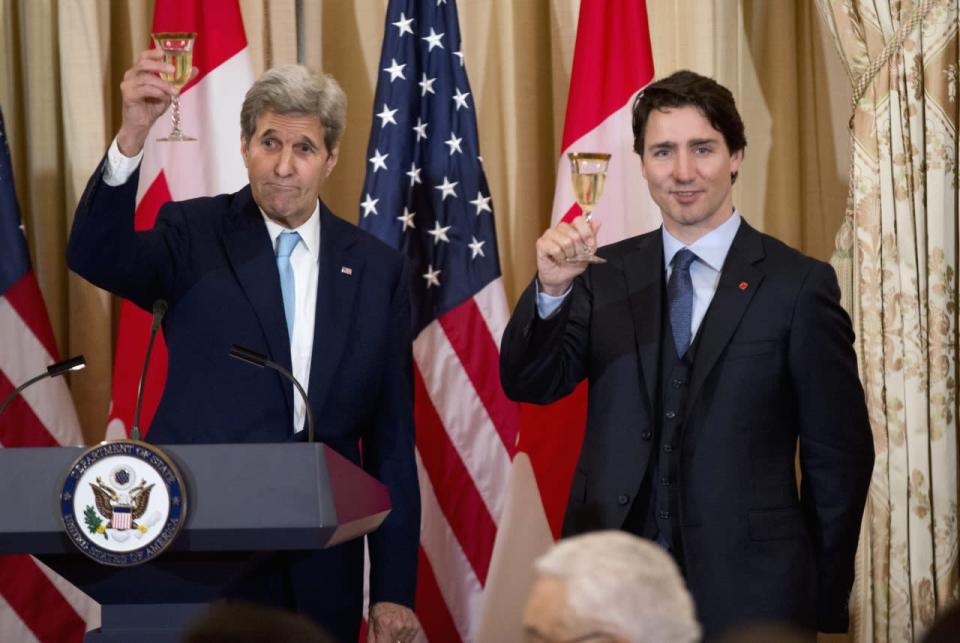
(244, 500)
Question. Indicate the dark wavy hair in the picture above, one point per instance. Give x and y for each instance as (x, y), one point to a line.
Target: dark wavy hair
(689, 89)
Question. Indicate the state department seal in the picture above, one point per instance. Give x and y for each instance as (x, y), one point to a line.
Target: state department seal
(123, 502)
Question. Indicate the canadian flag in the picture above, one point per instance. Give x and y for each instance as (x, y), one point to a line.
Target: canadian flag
(612, 62)
(210, 106)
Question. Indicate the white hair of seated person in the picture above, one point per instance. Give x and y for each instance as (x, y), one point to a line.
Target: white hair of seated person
(626, 584)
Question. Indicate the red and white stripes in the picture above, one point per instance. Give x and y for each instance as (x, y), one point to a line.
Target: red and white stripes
(36, 604)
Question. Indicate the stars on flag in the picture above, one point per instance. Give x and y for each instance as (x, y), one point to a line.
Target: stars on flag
(406, 219)
(403, 25)
(379, 161)
(369, 205)
(432, 276)
(395, 70)
(433, 40)
(423, 172)
(426, 85)
(460, 98)
(414, 174)
(481, 203)
(454, 143)
(439, 233)
(386, 116)
(476, 248)
(421, 129)
(447, 189)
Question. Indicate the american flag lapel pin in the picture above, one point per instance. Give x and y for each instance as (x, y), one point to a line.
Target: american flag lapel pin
(346, 270)
(744, 285)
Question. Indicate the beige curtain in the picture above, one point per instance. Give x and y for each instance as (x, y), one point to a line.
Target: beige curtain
(898, 244)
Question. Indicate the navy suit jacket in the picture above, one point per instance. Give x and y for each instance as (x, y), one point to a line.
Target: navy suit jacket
(211, 259)
(774, 364)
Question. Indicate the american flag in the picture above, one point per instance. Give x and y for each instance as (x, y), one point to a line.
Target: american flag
(426, 194)
(35, 603)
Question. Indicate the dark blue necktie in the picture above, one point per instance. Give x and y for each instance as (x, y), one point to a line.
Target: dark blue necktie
(680, 298)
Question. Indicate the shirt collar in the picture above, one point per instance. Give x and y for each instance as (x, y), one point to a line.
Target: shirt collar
(309, 231)
(711, 248)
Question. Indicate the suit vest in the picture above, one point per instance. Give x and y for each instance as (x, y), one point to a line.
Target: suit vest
(655, 513)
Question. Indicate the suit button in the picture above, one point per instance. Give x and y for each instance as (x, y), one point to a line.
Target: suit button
(623, 499)
(664, 515)
(668, 448)
(676, 383)
(646, 435)
(670, 415)
(666, 482)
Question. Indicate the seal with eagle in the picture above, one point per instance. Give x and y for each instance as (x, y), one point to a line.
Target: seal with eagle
(133, 503)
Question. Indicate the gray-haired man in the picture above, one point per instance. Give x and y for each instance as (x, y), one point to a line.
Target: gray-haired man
(270, 267)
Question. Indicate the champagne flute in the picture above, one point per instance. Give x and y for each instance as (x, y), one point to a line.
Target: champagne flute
(177, 51)
(589, 173)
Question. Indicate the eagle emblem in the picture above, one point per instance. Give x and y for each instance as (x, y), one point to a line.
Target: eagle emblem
(123, 502)
(120, 504)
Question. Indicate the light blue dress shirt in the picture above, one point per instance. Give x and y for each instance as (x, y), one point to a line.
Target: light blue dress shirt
(711, 250)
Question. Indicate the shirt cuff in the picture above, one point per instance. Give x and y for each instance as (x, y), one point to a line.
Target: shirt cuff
(548, 305)
(118, 167)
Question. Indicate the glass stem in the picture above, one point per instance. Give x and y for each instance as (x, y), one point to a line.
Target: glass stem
(176, 116)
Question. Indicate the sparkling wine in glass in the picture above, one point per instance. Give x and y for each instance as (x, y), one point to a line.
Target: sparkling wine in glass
(589, 173)
(177, 51)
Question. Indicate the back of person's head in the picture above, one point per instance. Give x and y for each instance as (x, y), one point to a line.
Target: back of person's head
(689, 89)
(617, 585)
(238, 622)
(296, 89)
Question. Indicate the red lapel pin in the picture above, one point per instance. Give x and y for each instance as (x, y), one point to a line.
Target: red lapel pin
(744, 285)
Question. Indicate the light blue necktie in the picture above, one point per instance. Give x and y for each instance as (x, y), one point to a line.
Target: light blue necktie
(288, 241)
(680, 299)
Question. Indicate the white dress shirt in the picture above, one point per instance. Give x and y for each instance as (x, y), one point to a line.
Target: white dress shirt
(305, 261)
(711, 250)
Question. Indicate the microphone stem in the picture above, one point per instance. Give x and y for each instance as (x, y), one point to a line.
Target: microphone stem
(16, 391)
(303, 394)
(135, 429)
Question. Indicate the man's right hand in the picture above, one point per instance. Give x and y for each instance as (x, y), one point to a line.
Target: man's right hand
(145, 98)
(559, 244)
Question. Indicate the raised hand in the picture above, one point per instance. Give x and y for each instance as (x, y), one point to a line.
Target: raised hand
(559, 250)
(145, 98)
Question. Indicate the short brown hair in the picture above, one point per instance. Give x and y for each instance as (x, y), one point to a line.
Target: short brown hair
(689, 89)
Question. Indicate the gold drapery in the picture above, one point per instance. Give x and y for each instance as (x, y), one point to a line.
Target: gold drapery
(898, 251)
(61, 63)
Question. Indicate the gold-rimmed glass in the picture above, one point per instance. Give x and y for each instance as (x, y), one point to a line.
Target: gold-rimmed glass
(177, 48)
(588, 170)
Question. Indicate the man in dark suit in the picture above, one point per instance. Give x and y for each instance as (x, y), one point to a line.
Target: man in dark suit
(271, 268)
(709, 349)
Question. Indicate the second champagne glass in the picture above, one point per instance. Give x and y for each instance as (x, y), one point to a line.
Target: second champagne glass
(589, 173)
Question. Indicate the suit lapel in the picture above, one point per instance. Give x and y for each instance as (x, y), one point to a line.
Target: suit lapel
(739, 280)
(336, 291)
(643, 268)
(247, 244)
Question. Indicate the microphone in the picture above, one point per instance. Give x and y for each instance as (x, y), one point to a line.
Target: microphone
(258, 359)
(159, 310)
(67, 365)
